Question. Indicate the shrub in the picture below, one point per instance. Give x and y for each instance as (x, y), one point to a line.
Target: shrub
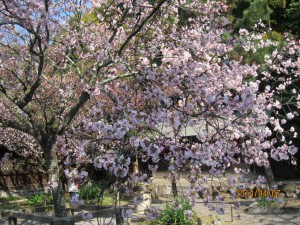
(89, 191)
(267, 202)
(277, 3)
(40, 199)
(178, 212)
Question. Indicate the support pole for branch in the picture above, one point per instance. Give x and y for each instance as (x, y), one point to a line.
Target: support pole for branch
(199, 221)
(12, 221)
(174, 188)
(231, 213)
(119, 218)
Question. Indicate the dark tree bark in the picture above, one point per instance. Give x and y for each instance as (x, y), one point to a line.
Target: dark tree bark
(54, 175)
(59, 201)
(174, 189)
(269, 175)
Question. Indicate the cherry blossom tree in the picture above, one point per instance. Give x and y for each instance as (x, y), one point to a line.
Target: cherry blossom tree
(51, 61)
(116, 80)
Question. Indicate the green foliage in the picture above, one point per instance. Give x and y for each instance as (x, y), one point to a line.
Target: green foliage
(281, 15)
(88, 18)
(292, 17)
(238, 8)
(267, 202)
(184, 16)
(226, 37)
(40, 199)
(147, 222)
(108, 199)
(274, 36)
(258, 9)
(258, 56)
(67, 197)
(89, 191)
(174, 214)
(277, 3)
(9, 198)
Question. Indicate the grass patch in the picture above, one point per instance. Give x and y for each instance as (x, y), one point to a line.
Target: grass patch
(108, 200)
(147, 222)
(10, 198)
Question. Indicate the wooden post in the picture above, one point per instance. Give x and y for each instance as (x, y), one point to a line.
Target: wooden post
(174, 186)
(69, 209)
(174, 189)
(119, 218)
(12, 221)
(199, 222)
(128, 221)
(231, 213)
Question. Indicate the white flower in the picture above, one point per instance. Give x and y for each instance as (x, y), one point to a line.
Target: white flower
(178, 207)
(283, 121)
(290, 115)
(281, 87)
(243, 32)
(121, 171)
(84, 173)
(187, 213)
(144, 61)
(52, 184)
(237, 170)
(292, 150)
(260, 180)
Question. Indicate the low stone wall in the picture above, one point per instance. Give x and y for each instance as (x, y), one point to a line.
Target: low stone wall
(13, 215)
(255, 208)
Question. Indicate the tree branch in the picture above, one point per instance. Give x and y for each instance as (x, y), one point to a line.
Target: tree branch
(28, 97)
(119, 52)
(16, 125)
(73, 111)
(118, 77)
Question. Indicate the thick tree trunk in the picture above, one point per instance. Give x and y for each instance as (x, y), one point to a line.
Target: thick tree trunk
(269, 175)
(59, 201)
(54, 176)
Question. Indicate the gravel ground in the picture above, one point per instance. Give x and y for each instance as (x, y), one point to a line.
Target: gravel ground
(243, 219)
(240, 215)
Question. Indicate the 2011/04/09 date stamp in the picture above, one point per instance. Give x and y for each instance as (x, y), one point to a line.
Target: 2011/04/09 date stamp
(258, 193)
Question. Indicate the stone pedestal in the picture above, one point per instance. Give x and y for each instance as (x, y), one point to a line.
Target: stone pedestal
(140, 208)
